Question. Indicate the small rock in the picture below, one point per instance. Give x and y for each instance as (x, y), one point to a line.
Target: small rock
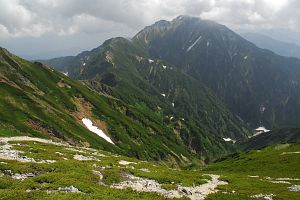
(59, 153)
(99, 174)
(124, 162)
(280, 182)
(265, 196)
(22, 176)
(84, 158)
(186, 191)
(70, 189)
(294, 188)
(144, 170)
(102, 167)
(8, 172)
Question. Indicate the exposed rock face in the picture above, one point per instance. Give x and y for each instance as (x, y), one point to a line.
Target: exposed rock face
(294, 188)
(9, 154)
(18, 176)
(65, 189)
(100, 176)
(26, 138)
(265, 196)
(22, 176)
(84, 158)
(145, 170)
(124, 162)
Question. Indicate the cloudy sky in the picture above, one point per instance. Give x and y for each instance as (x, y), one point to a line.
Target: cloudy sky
(48, 28)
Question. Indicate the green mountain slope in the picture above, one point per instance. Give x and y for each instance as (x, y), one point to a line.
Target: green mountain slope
(257, 85)
(280, 136)
(41, 102)
(270, 172)
(129, 74)
(36, 100)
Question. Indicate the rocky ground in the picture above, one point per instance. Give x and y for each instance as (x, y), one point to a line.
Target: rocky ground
(34, 168)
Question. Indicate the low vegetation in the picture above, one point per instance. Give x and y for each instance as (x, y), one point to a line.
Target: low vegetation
(270, 171)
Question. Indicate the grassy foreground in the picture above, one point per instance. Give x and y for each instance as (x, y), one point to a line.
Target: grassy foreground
(248, 174)
(267, 171)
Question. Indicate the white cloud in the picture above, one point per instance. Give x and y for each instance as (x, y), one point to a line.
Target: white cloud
(101, 19)
(69, 17)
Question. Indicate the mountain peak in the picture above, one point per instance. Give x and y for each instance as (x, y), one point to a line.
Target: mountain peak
(162, 23)
(185, 17)
(188, 18)
(3, 49)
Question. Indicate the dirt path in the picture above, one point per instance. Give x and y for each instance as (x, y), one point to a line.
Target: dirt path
(201, 191)
(194, 193)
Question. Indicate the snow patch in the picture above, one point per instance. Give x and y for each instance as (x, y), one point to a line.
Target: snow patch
(262, 129)
(151, 61)
(296, 152)
(173, 104)
(196, 41)
(66, 73)
(229, 140)
(89, 124)
(259, 131)
(164, 66)
(84, 64)
(164, 95)
(139, 58)
(207, 43)
(262, 108)
(245, 57)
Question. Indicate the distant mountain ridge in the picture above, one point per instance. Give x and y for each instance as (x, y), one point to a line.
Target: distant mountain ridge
(277, 46)
(189, 68)
(257, 85)
(280, 136)
(138, 115)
